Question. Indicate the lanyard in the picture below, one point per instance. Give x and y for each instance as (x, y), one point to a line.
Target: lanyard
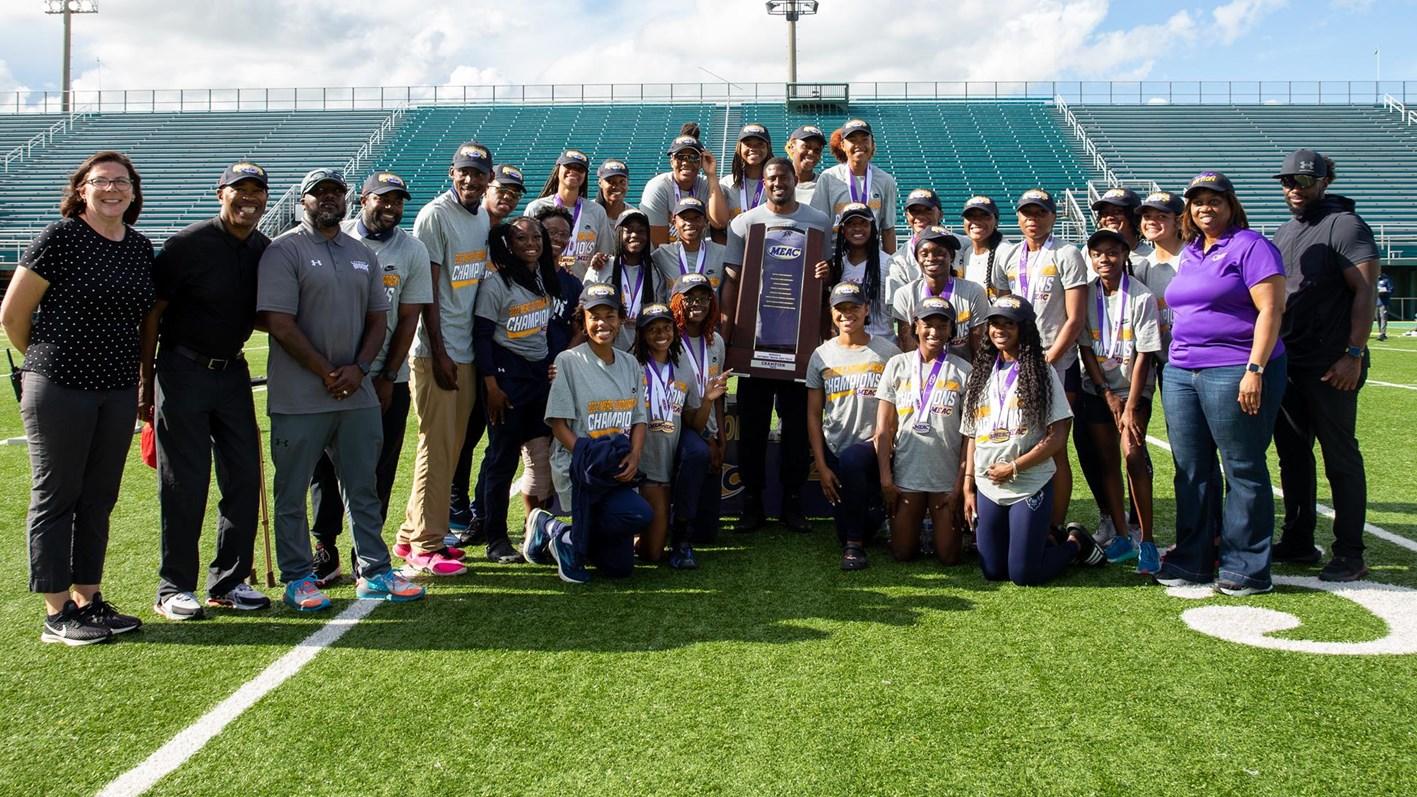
(945, 293)
(1023, 266)
(678, 194)
(570, 249)
(926, 387)
(698, 265)
(865, 192)
(632, 297)
(660, 398)
(743, 197)
(698, 361)
(1106, 330)
(1002, 393)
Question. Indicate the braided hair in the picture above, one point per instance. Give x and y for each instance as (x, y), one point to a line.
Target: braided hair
(871, 281)
(651, 289)
(1034, 387)
(512, 269)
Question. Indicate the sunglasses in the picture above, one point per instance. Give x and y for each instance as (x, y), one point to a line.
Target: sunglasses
(1303, 181)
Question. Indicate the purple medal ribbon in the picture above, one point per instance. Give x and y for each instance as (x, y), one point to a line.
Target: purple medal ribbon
(743, 197)
(660, 401)
(698, 266)
(632, 298)
(865, 192)
(570, 249)
(1003, 393)
(1106, 330)
(945, 293)
(1023, 267)
(698, 361)
(926, 389)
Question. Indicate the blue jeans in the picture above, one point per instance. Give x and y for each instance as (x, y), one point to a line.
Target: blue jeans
(1202, 415)
(619, 516)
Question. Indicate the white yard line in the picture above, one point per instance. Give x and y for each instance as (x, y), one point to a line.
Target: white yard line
(1377, 531)
(191, 739)
(1394, 348)
(1389, 384)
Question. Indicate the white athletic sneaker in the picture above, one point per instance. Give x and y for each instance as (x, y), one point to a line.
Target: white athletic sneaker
(243, 598)
(1105, 532)
(180, 606)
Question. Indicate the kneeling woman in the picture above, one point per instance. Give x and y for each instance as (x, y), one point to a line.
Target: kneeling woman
(842, 377)
(918, 445)
(597, 418)
(1016, 419)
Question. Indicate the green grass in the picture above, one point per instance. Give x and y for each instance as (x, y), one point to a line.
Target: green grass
(769, 671)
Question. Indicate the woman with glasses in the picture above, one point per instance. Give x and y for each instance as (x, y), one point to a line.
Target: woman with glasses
(692, 172)
(73, 309)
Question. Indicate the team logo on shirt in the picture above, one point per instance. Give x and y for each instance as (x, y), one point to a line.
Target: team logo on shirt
(360, 265)
(609, 417)
(861, 379)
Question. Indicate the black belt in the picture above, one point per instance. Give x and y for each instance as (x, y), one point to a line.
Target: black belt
(210, 363)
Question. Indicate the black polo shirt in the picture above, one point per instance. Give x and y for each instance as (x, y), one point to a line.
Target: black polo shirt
(1318, 247)
(208, 278)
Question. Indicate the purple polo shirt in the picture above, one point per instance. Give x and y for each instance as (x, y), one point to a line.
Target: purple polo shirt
(1213, 317)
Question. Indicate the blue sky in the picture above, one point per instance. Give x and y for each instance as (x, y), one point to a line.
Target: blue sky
(169, 43)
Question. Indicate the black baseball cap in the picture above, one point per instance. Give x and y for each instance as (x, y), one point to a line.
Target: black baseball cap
(314, 177)
(980, 202)
(934, 306)
(755, 130)
(923, 196)
(243, 170)
(692, 280)
(939, 235)
(854, 210)
(687, 203)
(1163, 201)
(1304, 161)
(1039, 197)
(1210, 181)
(385, 183)
(1124, 198)
(844, 292)
(506, 175)
(630, 214)
(574, 157)
(598, 294)
(1107, 235)
(474, 155)
(612, 168)
(807, 131)
(1015, 308)
(681, 143)
(856, 126)
(651, 313)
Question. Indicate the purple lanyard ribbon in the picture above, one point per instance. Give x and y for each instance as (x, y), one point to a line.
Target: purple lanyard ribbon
(1106, 330)
(632, 297)
(1003, 393)
(945, 293)
(865, 192)
(660, 400)
(699, 361)
(570, 249)
(698, 265)
(743, 197)
(926, 386)
(1023, 266)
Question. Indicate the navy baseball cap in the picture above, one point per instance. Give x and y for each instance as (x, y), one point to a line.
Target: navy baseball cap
(598, 294)
(1210, 181)
(1124, 198)
(612, 168)
(651, 313)
(856, 126)
(630, 214)
(505, 175)
(852, 211)
(243, 170)
(689, 203)
(844, 292)
(474, 155)
(385, 183)
(934, 307)
(807, 131)
(574, 157)
(1163, 201)
(692, 280)
(980, 202)
(939, 235)
(1015, 308)
(755, 130)
(1304, 161)
(314, 177)
(1039, 197)
(1107, 235)
(923, 196)
(681, 143)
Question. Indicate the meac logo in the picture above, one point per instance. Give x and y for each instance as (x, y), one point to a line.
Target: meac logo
(389, 178)
(784, 252)
(1037, 193)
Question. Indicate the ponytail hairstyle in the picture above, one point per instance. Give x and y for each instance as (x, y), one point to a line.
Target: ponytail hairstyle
(1035, 385)
(513, 270)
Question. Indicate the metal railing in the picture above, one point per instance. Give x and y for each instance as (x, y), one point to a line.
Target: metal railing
(1391, 103)
(1144, 92)
(41, 139)
(1098, 162)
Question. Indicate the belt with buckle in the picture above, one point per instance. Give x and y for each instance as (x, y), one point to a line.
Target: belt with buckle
(210, 363)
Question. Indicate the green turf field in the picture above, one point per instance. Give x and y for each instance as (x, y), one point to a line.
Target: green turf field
(768, 671)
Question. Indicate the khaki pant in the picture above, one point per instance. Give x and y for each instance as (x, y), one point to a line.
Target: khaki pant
(442, 424)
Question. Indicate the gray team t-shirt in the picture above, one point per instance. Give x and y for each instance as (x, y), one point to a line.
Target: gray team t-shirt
(597, 399)
(926, 460)
(631, 286)
(744, 197)
(407, 280)
(980, 425)
(848, 378)
(593, 231)
(805, 191)
(804, 216)
(1052, 270)
(879, 324)
(521, 316)
(1140, 334)
(696, 354)
(329, 285)
(1156, 275)
(966, 298)
(665, 404)
(456, 239)
(975, 266)
(833, 193)
(670, 261)
(661, 194)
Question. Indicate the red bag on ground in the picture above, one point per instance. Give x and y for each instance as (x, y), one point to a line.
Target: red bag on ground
(148, 445)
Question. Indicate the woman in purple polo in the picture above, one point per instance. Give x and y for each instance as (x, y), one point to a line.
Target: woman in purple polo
(1221, 390)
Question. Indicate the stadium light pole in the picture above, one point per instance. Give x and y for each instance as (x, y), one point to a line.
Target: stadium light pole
(67, 9)
(792, 10)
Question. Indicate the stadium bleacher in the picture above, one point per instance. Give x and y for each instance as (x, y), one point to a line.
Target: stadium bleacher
(16, 129)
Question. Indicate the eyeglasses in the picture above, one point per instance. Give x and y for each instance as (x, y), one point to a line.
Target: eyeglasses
(696, 299)
(105, 183)
(1303, 181)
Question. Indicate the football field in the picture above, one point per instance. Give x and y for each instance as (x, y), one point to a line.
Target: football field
(767, 671)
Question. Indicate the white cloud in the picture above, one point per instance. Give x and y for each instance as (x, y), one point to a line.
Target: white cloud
(1238, 17)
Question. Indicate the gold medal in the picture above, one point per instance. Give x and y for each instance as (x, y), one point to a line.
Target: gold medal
(999, 435)
(667, 427)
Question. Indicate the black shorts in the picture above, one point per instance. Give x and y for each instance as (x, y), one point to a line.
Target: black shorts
(1093, 409)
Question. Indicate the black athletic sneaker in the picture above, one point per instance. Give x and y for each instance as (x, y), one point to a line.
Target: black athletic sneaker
(1344, 568)
(101, 612)
(503, 553)
(751, 518)
(792, 516)
(72, 627)
(1090, 554)
(471, 534)
(1291, 554)
(327, 569)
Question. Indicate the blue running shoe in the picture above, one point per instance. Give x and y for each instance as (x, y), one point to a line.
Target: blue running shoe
(568, 565)
(1120, 550)
(389, 586)
(303, 596)
(683, 558)
(541, 526)
(1148, 559)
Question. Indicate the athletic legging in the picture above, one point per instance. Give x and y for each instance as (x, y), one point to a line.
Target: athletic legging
(1013, 540)
(860, 492)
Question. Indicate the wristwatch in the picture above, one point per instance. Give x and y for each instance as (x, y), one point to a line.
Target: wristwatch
(1355, 352)
(1255, 368)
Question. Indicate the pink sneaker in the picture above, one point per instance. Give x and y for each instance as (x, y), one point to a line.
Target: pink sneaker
(403, 549)
(437, 563)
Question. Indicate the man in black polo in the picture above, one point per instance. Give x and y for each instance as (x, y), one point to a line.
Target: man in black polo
(197, 392)
(1331, 267)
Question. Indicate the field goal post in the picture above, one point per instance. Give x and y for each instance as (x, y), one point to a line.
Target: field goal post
(818, 97)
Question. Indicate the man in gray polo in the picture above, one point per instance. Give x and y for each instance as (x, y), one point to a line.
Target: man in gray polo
(320, 294)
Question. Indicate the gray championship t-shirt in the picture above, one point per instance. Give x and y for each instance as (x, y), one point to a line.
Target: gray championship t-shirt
(593, 231)
(1052, 270)
(966, 298)
(1014, 439)
(665, 403)
(696, 353)
(1116, 351)
(661, 194)
(671, 261)
(975, 266)
(1156, 275)
(927, 459)
(635, 292)
(521, 316)
(833, 193)
(848, 378)
(329, 285)
(805, 191)
(407, 280)
(741, 198)
(597, 399)
(803, 217)
(456, 239)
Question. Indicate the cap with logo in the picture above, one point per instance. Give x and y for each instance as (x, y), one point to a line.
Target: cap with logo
(854, 210)
(1014, 308)
(689, 203)
(598, 294)
(505, 175)
(847, 292)
(1107, 235)
(612, 168)
(629, 215)
(574, 157)
(934, 307)
(1304, 161)
(1210, 181)
(243, 170)
(681, 143)
(692, 280)
(807, 131)
(314, 177)
(1164, 201)
(855, 126)
(923, 196)
(385, 183)
(651, 313)
(755, 130)
(474, 155)
(939, 235)
(1124, 198)
(1039, 197)
(980, 202)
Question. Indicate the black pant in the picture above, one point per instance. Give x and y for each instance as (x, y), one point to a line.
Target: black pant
(756, 398)
(462, 474)
(1313, 410)
(78, 444)
(199, 413)
(324, 486)
(519, 424)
